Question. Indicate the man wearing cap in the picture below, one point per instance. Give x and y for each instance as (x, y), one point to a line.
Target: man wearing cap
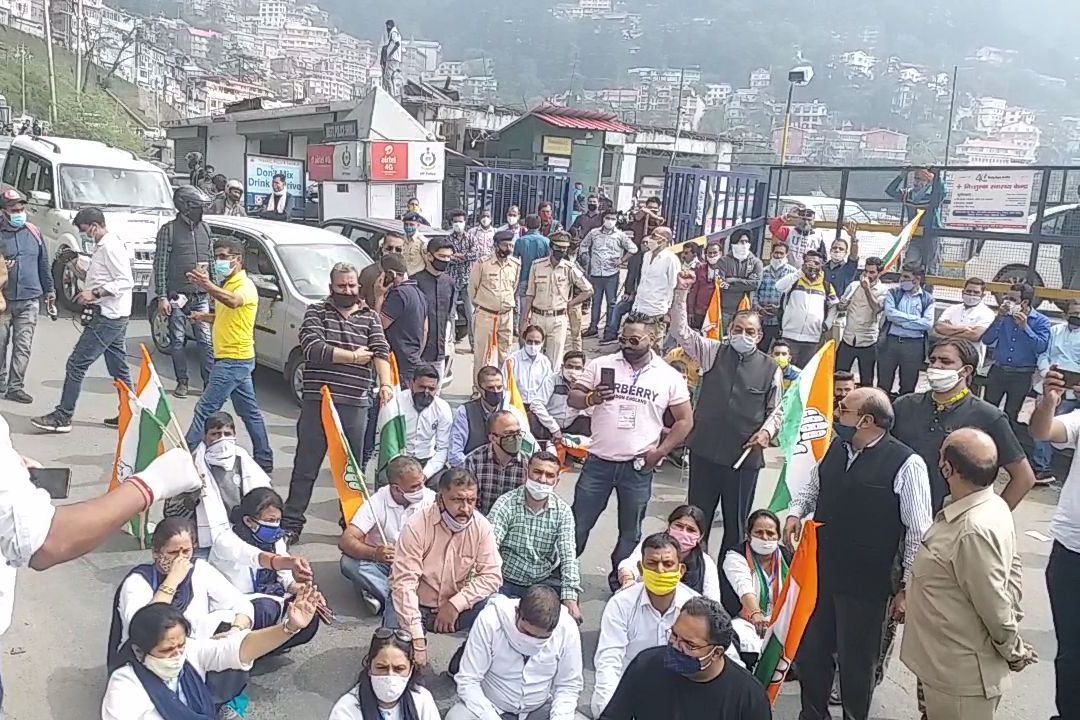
(555, 285)
(29, 280)
(231, 201)
(925, 187)
(492, 288)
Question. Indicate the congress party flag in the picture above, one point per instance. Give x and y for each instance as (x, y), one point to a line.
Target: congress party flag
(795, 605)
(896, 251)
(390, 431)
(346, 470)
(713, 328)
(512, 399)
(744, 304)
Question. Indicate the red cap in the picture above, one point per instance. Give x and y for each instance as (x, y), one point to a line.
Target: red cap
(11, 196)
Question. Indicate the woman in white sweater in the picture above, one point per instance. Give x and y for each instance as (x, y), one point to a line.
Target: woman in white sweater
(389, 684)
(687, 525)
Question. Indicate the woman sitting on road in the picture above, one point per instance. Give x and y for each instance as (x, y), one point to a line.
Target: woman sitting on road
(161, 672)
(389, 684)
(258, 525)
(687, 525)
(754, 575)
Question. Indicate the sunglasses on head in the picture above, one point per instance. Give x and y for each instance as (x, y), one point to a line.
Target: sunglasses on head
(387, 633)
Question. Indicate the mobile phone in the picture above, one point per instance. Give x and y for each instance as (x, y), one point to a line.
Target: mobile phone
(56, 481)
(1072, 378)
(607, 377)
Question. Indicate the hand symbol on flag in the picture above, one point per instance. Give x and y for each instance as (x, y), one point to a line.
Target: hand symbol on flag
(814, 426)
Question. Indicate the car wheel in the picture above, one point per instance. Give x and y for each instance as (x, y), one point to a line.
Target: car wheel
(159, 330)
(1013, 274)
(294, 375)
(67, 282)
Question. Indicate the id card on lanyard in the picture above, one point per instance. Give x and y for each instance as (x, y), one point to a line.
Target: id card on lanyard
(627, 418)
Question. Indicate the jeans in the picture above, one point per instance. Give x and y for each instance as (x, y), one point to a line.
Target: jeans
(1042, 455)
(1063, 586)
(17, 325)
(603, 287)
(231, 378)
(367, 577)
(632, 488)
(427, 616)
(197, 302)
(847, 355)
(622, 309)
(904, 354)
(1011, 384)
(103, 336)
(311, 451)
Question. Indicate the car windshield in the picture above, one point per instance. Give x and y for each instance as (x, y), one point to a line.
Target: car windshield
(82, 186)
(308, 266)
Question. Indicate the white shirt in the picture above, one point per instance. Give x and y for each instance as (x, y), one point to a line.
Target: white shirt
(659, 276)
(710, 584)
(392, 517)
(211, 515)
(1065, 524)
(862, 324)
(110, 270)
(392, 37)
(125, 698)
(497, 677)
(214, 600)
(427, 433)
(978, 316)
(529, 373)
(238, 569)
(348, 707)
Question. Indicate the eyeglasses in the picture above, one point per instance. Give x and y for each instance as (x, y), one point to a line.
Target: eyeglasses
(387, 633)
(632, 341)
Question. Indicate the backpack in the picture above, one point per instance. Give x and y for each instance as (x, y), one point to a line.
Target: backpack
(784, 298)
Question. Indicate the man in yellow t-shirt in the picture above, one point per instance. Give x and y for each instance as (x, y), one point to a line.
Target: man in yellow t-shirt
(236, 302)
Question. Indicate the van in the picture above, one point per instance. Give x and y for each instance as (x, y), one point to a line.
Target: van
(60, 176)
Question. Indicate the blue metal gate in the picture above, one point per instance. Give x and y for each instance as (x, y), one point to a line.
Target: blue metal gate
(714, 202)
(497, 189)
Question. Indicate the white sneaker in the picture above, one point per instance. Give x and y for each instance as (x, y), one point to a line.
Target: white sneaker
(1045, 478)
(371, 603)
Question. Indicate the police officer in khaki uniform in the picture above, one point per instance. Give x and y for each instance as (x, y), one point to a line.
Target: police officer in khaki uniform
(554, 287)
(492, 288)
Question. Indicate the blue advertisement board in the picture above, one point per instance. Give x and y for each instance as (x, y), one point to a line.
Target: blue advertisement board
(260, 170)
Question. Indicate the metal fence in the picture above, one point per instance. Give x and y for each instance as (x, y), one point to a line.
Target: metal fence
(497, 189)
(713, 203)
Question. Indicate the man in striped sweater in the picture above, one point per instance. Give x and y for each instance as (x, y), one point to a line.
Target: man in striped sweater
(344, 349)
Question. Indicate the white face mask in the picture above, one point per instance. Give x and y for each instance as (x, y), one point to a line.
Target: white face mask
(777, 263)
(222, 453)
(838, 256)
(538, 490)
(512, 220)
(712, 259)
(941, 379)
(763, 547)
(168, 669)
(525, 644)
(743, 344)
(413, 497)
(741, 251)
(532, 350)
(459, 227)
(571, 376)
(485, 222)
(972, 300)
(389, 688)
(609, 224)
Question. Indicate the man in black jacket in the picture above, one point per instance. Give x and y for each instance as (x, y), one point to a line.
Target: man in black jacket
(440, 291)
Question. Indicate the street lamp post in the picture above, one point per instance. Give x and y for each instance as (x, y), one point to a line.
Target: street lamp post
(800, 76)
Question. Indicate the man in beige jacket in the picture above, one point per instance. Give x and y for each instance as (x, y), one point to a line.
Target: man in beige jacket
(962, 632)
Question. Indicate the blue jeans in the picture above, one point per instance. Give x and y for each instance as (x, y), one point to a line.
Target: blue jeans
(198, 302)
(632, 488)
(622, 309)
(368, 576)
(1042, 454)
(232, 379)
(17, 324)
(603, 287)
(103, 336)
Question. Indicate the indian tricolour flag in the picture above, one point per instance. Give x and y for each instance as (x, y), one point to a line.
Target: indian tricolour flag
(793, 609)
(390, 436)
(348, 475)
(713, 327)
(806, 428)
(512, 398)
(892, 257)
(144, 413)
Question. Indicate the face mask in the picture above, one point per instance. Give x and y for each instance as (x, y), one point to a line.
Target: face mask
(782, 362)
(777, 263)
(459, 227)
(907, 285)
(85, 239)
(452, 524)
(712, 259)
(763, 547)
(510, 444)
(268, 533)
(659, 583)
(502, 254)
(421, 400)
(1074, 321)
(532, 350)
(740, 251)
(838, 256)
(804, 228)
(811, 273)
(743, 344)
(609, 224)
(343, 300)
(168, 669)
(682, 664)
(493, 398)
(439, 265)
(414, 497)
(389, 688)
(524, 643)
(17, 220)
(633, 354)
(571, 376)
(222, 453)
(194, 214)
(687, 541)
(538, 490)
(485, 222)
(410, 231)
(593, 207)
(557, 254)
(512, 220)
(223, 268)
(844, 432)
(941, 379)
(972, 300)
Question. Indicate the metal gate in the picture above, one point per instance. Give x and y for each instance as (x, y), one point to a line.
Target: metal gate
(713, 202)
(497, 189)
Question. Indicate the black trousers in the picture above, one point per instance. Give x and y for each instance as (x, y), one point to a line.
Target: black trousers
(1063, 586)
(310, 452)
(1012, 385)
(768, 334)
(802, 351)
(904, 354)
(846, 355)
(851, 628)
(711, 485)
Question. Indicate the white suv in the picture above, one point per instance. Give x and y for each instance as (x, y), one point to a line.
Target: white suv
(60, 176)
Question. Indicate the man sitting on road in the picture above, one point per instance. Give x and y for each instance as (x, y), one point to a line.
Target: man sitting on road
(470, 423)
(499, 465)
(427, 421)
(552, 404)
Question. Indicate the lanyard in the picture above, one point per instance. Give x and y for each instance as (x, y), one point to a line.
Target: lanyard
(942, 406)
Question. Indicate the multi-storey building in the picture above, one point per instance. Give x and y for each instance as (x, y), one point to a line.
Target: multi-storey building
(809, 115)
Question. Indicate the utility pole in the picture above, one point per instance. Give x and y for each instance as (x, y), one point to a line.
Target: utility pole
(53, 110)
(24, 55)
(952, 112)
(787, 124)
(77, 17)
(678, 114)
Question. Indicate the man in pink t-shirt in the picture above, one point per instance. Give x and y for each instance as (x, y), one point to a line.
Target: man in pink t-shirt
(627, 440)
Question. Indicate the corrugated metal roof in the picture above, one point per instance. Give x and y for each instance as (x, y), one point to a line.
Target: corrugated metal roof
(600, 125)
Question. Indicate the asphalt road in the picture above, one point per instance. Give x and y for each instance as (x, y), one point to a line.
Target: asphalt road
(54, 653)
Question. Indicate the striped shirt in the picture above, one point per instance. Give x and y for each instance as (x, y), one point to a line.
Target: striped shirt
(533, 545)
(323, 330)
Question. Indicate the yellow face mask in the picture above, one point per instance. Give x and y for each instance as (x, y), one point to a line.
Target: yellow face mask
(660, 583)
(781, 361)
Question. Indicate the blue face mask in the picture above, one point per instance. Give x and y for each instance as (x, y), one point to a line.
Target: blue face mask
(222, 268)
(680, 663)
(844, 432)
(17, 220)
(907, 286)
(268, 533)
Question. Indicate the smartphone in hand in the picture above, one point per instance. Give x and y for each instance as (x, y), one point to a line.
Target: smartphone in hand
(607, 378)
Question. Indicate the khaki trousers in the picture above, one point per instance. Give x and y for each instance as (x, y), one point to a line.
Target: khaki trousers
(573, 338)
(940, 706)
(554, 328)
(483, 322)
